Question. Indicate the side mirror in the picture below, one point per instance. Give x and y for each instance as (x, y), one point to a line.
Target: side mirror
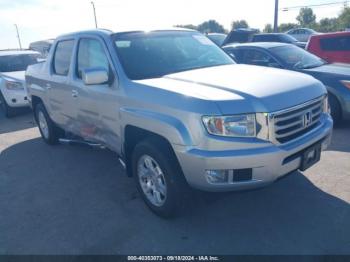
(95, 76)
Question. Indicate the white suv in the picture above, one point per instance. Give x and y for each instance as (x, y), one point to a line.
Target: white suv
(12, 84)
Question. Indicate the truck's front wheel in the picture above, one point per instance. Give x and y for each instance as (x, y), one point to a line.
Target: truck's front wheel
(158, 177)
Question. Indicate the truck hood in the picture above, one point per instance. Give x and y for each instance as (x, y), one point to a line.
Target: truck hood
(242, 88)
(14, 76)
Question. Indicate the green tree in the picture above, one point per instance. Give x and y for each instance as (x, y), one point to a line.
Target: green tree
(328, 25)
(344, 18)
(211, 26)
(268, 28)
(189, 26)
(306, 17)
(286, 26)
(239, 24)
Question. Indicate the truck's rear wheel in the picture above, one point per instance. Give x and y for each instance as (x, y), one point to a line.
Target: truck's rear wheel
(158, 178)
(48, 130)
(8, 111)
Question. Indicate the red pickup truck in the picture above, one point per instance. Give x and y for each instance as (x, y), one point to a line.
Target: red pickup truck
(332, 47)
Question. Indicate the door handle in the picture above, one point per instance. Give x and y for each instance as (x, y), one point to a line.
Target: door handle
(74, 93)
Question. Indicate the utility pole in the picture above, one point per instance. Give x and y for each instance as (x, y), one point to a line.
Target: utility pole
(93, 6)
(19, 39)
(275, 24)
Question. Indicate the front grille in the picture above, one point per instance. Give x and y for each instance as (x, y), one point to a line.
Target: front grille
(291, 123)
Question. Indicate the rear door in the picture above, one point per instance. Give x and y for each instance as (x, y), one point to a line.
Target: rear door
(302, 35)
(61, 102)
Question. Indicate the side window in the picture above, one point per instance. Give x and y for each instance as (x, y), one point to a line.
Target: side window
(336, 44)
(62, 57)
(90, 54)
(255, 57)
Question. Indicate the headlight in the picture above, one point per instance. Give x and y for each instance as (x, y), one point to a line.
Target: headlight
(231, 126)
(326, 108)
(346, 83)
(14, 85)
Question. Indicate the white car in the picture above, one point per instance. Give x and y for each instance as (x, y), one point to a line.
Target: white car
(13, 93)
(302, 34)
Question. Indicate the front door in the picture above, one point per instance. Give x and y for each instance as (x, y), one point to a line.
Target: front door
(97, 104)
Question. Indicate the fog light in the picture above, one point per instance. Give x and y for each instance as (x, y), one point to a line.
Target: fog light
(217, 176)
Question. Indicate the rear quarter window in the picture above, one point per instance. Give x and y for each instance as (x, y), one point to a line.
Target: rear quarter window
(341, 43)
(62, 57)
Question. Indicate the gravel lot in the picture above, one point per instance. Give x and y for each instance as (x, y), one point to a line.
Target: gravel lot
(77, 200)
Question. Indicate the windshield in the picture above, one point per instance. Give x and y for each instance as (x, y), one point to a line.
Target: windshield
(296, 58)
(150, 55)
(217, 39)
(12, 63)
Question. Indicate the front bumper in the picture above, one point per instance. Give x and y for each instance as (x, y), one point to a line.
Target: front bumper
(15, 98)
(268, 163)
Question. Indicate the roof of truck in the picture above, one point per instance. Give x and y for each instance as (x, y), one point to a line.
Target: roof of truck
(332, 34)
(125, 30)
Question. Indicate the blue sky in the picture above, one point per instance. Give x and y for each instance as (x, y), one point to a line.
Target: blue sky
(42, 19)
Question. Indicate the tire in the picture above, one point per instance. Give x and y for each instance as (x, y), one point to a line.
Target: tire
(335, 107)
(170, 177)
(48, 130)
(8, 111)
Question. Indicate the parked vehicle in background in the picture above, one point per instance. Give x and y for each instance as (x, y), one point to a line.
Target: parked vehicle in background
(332, 47)
(178, 111)
(217, 38)
(12, 85)
(277, 37)
(241, 35)
(302, 34)
(43, 47)
(336, 77)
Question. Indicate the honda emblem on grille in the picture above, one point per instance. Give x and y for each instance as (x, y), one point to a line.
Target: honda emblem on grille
(307, 119)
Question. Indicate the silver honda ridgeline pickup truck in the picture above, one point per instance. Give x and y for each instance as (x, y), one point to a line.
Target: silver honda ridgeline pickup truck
(178, 111)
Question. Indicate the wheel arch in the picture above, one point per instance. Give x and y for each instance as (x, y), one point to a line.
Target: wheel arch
(134, 135)
(35, 100)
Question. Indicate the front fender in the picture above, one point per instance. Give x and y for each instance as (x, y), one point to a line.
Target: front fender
(164, 125)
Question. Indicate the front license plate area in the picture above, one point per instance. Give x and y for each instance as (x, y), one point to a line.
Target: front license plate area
(311, 156)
